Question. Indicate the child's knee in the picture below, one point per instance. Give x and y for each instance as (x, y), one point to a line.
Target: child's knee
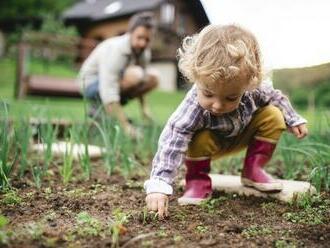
(203, 144)
(275, 117)
(273, 123)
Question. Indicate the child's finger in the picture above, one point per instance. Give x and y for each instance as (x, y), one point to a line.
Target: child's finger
(153, 205)
(295, 131)
(166, 206)
(161, 207)
(303, 131)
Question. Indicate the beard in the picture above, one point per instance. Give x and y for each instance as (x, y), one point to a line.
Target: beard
(138, 51)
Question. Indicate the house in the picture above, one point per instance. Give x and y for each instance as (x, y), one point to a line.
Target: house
(101, 19)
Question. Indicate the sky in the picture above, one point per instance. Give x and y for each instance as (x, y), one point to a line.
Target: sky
(291, 33)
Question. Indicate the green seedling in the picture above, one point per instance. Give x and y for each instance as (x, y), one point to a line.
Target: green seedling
(67, 168)
(201, 229)
(23, 135)
(37, 174)
(309, 216)
(117, 227)
(213, 205)
(11, 198)
(80, 136)
(107, 131)
(254, 231)
(48, 137)
(146, 216)
(320, 177)
(87, 225)
(4, 235)
(5, 146)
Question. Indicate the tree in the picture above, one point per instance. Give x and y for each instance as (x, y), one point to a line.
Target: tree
(12, 9)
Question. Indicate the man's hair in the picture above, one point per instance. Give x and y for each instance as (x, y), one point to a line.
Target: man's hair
(144, 19)
(221, 53)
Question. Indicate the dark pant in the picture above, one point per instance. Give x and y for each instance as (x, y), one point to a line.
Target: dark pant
(92, 93)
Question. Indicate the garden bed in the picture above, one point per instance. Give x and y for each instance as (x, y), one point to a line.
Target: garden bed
(109, 211)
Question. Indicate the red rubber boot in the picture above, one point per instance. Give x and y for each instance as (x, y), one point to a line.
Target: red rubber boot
(198, 183)
(258, 154)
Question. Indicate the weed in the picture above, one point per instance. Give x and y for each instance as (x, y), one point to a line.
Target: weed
(284, 244)
(11, 198)
(180, 216)
(267, 206)
(87, 225)
(310, 216)
(4, 235)
(212, 205)
(117, 227)
(146, 217)
(306, 200)
(254, 230)
(201, 229)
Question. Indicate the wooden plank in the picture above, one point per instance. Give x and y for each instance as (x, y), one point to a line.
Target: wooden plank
(53, 86)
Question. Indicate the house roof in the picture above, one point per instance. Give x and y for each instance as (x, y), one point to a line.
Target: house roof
(96, 10)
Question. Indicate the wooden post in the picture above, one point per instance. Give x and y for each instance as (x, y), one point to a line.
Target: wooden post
(21, 71)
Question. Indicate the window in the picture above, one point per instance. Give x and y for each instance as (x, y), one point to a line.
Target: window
(167, 13)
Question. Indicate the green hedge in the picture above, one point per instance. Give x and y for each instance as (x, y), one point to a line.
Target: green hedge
(300, 97)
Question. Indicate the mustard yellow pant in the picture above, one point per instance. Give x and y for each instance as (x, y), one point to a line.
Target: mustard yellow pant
(267, 124)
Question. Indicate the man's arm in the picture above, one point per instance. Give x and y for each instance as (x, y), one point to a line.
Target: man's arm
(145, 109)
(117, 111)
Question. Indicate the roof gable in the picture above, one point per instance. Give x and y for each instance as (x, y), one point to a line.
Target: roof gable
(106, 9)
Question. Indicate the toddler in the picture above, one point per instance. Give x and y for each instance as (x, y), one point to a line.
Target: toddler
(229, 108)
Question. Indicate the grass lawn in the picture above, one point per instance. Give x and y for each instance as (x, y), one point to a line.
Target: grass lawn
(161, 103)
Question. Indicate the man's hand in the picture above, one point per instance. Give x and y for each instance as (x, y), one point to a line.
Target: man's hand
(145, 110)
(299, 131)
(116, 110)
(147, 115)
(132, 132)
(158, 202)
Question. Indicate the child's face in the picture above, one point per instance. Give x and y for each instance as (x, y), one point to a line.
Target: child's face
(221, 97)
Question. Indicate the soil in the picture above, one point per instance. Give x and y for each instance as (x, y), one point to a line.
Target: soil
(48, 218)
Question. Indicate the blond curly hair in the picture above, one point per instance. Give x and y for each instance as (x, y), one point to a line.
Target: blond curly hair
(221, 53)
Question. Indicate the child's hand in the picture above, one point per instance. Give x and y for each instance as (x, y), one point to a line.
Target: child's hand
(299, 131)
(158, 202)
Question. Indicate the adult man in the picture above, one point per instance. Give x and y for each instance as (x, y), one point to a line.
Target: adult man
(116, 70)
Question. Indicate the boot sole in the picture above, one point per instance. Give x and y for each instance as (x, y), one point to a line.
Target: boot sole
(264, 187)
(191, 201)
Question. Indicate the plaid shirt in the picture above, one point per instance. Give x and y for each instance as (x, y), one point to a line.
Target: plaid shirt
(190, 117)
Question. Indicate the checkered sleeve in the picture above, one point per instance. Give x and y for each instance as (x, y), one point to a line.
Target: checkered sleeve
(173, 143)
(266, 94)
